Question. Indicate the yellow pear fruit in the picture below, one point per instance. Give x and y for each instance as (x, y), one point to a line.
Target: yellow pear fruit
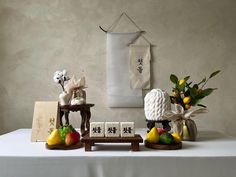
(176, 137)
(54, 138)
(153, 136)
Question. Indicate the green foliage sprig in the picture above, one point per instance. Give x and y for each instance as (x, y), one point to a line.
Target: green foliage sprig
(188, 94)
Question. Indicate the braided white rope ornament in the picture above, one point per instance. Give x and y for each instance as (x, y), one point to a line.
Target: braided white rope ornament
(156, 103)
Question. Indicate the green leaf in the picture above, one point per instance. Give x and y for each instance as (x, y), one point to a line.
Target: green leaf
(174, 78)
(207, 92)
(214, 73)
(193, 92)
(194, 102)
(186, 78)
(195, 86)
(188, 84)
(175, 90)
(203, 80)
(201, 105)
(181, 87)
(199, 96)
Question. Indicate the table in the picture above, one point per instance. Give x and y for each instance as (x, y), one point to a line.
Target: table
(84, 112)
(133, 141)
(213, 155)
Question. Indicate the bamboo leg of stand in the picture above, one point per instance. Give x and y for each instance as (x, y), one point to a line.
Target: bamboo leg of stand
(61, 115)
(87, 121)
(67, 117)
(83, 121)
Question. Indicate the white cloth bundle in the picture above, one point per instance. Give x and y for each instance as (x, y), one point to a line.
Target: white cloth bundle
(140, 66)
(119, 92)
(156, 103)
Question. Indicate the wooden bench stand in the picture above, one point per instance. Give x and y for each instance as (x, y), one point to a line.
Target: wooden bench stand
(90, 141)
(84, 112)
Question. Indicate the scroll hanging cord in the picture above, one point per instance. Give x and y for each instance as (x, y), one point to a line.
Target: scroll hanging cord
(114, 24)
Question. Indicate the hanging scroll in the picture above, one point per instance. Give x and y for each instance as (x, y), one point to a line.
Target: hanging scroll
(128, 67)
(140, 66)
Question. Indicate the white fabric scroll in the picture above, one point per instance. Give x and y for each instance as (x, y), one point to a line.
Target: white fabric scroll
(119, 92)
(140, 66)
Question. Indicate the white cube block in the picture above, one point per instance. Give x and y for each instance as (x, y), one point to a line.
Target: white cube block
(112, 129)
(127, 129)
(96, 129)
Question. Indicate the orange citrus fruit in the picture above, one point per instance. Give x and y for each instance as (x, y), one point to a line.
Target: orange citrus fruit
(187, 100)
(187, 106)
(182, 81)
(175, 94)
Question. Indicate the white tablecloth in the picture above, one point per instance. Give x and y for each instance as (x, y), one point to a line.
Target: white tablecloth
(213, 155)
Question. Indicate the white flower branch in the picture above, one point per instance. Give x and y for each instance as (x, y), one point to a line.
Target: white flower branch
(61, 77)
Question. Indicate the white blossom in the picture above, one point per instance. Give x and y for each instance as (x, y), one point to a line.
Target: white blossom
(60, 77)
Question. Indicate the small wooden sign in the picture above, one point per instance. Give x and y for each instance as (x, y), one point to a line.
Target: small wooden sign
(112, 129)
(96, 129)
(127, 129)
(46, 118)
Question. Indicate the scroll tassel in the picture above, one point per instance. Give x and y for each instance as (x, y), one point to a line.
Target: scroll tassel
(185, 132)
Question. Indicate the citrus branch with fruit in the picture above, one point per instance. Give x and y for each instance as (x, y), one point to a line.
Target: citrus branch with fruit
(187, 94)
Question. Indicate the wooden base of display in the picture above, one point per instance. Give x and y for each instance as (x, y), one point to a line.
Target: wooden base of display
(90, 141)
(64, 147)
(85, 113)
(163, 146)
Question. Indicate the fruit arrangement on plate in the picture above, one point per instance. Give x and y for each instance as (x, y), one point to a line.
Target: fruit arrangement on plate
(65, 137)
(159, 138)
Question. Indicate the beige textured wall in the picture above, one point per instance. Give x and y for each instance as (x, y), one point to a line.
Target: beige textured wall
(193, 37)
